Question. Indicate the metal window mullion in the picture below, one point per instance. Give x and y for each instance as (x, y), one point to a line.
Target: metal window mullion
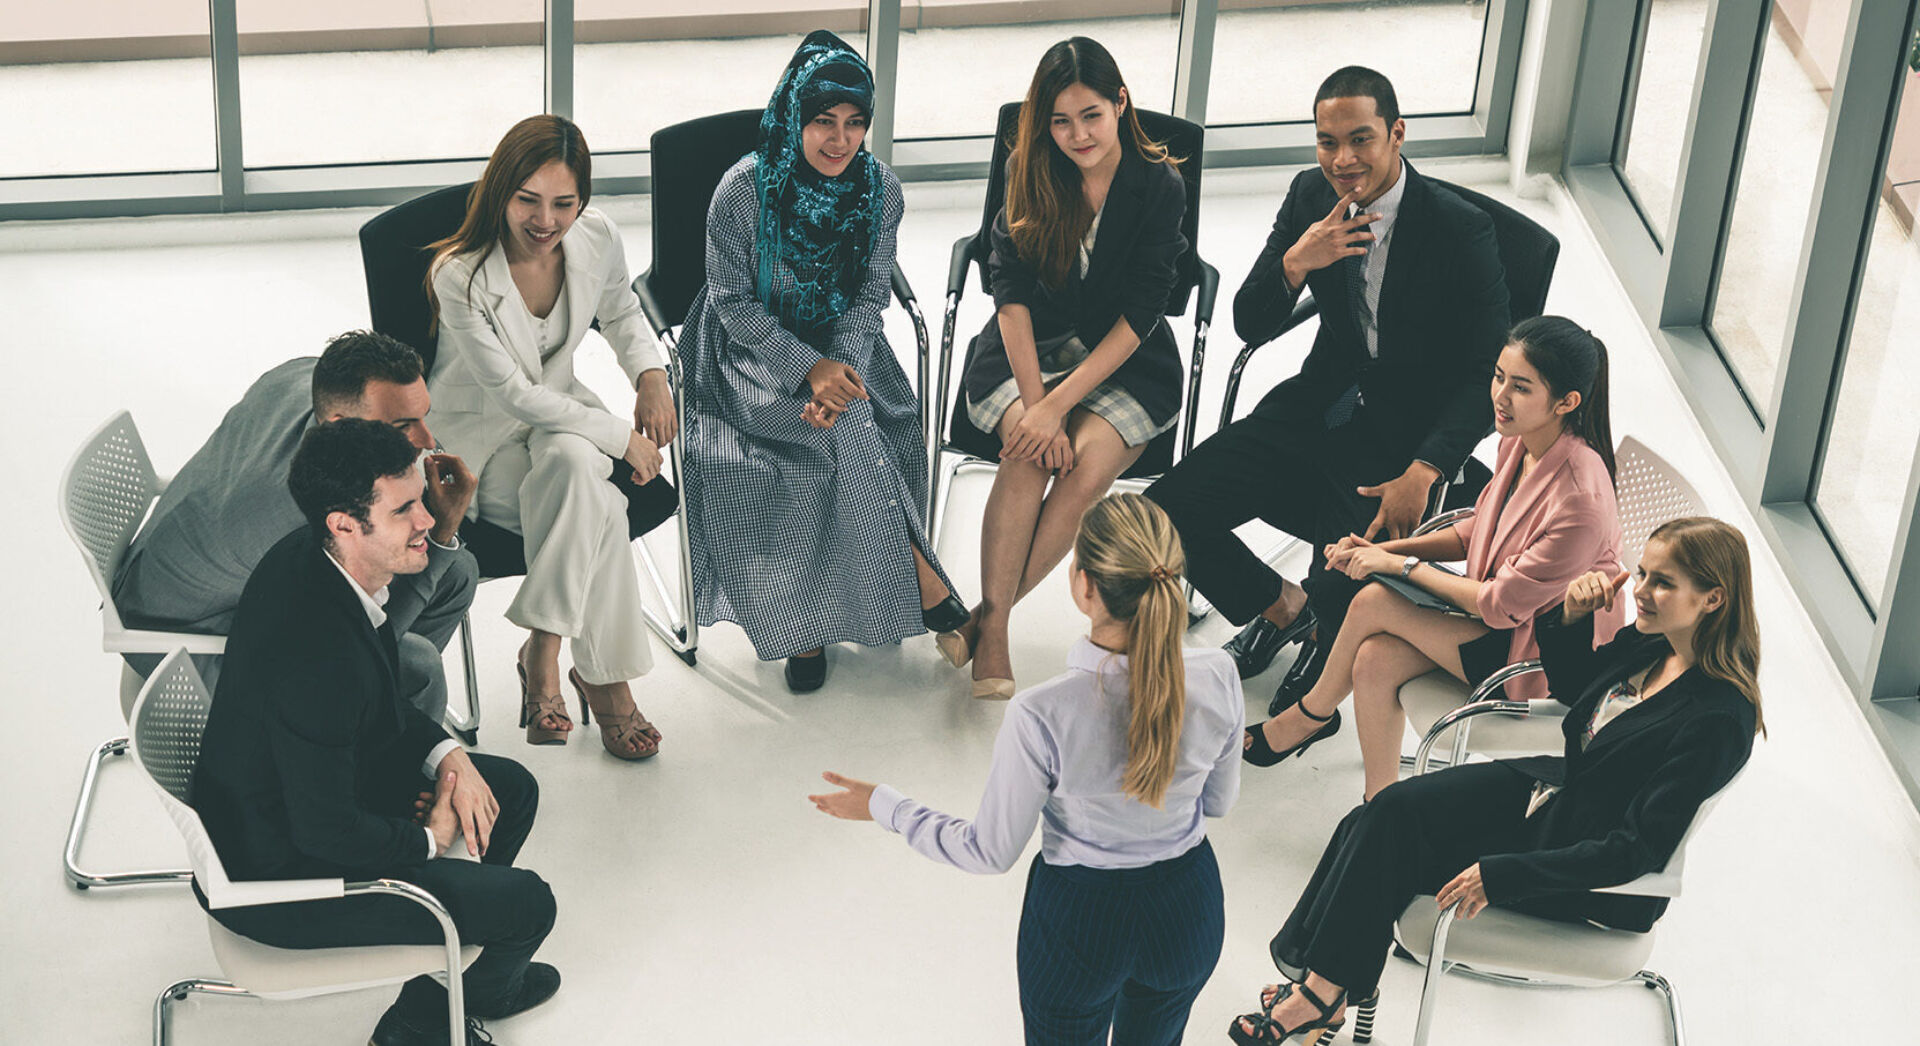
(883, 57)
(1599, 112)
(229, 159)
(1703, 192)
(1893, 664)
(557, 59)
(1193, 68)
(1499, 70)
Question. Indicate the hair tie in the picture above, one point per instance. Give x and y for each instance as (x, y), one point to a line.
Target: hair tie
(1159, 573)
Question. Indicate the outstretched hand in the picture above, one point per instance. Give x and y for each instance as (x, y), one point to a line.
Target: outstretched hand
(1590, 592)
(848, 804)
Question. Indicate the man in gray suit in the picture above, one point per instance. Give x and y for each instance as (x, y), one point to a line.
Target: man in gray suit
(230, 504)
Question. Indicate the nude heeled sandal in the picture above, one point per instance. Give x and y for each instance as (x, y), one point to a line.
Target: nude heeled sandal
(625, 735)
(993, 689)
(534, 709)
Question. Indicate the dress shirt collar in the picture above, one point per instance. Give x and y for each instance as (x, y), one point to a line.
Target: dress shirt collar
(1088, 656)
(1387, 206)
(374, 605)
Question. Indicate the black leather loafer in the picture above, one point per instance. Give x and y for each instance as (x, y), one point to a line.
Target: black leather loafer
(1301, 677)
(807, 674)
(1255, 647)
(537, 985)
(396, 1030)
(948, 615)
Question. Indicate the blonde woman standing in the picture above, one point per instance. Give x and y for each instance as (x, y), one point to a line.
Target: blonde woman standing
(1126, 755)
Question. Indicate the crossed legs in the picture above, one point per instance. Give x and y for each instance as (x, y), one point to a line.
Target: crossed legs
(1029, 527)
(1384, 642)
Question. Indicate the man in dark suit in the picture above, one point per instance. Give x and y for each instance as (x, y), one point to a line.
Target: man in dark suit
(229, 504)
(312, 759)
(1392, 397)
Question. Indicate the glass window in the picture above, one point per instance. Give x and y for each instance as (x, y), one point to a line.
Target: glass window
(106, 87)
(631, 78)
(1872, 427)
(999, 59)
(1653, 127)
(373, 83)
(1431, 52)
(1773, 195)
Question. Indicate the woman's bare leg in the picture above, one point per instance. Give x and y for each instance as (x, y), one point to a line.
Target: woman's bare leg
(1099, 456)
(1385, 664)
(1006, 535)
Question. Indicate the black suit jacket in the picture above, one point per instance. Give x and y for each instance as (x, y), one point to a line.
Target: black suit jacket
(1442, 321)
(1628, 797)
(1130, 274)
(309, 736)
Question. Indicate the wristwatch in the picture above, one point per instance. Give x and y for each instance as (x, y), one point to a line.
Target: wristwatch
(1406, 568)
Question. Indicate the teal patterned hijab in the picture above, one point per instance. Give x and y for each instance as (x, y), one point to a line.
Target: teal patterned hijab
(822, 229)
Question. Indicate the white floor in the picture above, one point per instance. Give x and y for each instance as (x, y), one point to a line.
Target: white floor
(702, 900)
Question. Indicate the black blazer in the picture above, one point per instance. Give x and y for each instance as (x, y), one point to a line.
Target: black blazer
(309, 733)
(1131, 273)
(1443, 319)
(1626, 799)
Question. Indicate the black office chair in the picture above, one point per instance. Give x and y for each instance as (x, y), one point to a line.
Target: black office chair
(981, 449)
(689, 159)
(1528, 253)
(393, 252)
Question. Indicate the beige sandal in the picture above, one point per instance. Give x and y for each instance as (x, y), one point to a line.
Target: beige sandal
(534, 709)
(625, 735)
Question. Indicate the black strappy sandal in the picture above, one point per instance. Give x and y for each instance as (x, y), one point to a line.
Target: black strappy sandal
(1363, 1015)
(1259, 753)
(1269, 1032)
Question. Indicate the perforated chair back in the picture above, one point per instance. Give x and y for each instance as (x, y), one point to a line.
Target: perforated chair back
(1528, 253)
(688, 160)
(1649, 492)
(104, 495)
(1184, 139)
(168, 720)
(393, 251)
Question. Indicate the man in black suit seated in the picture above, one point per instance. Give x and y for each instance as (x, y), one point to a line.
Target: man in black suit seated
(1392, 397)
(313, 760)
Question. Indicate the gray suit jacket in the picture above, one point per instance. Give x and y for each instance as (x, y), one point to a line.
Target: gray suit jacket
(224, 510)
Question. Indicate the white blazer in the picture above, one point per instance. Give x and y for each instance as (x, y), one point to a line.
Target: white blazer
(488, 379)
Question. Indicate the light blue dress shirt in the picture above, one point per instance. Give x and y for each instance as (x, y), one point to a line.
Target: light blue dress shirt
(1059, 759)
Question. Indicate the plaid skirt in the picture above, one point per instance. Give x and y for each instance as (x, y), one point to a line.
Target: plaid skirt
(1058, 357)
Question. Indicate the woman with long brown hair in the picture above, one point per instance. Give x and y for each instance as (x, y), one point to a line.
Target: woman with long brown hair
(515, 290)
(1126, 755)
(1077, 370)
(1660, 719)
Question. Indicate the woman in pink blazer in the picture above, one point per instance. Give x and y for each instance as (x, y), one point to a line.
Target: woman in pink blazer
(1548, 516)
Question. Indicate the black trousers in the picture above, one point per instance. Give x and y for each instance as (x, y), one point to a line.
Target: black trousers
(507, 911)
(1294, 474)
(1412, 839)
(1120, 949)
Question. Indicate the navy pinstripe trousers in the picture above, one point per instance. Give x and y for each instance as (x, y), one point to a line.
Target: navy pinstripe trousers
(1126, 949)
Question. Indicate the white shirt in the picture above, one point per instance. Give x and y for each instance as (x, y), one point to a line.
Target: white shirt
(1059, 759)
(375, 605)
(1375, 268)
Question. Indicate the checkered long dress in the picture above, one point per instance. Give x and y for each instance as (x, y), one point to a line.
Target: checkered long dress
(800, 535)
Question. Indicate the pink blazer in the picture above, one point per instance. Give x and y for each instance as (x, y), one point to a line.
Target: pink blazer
(1560, 523)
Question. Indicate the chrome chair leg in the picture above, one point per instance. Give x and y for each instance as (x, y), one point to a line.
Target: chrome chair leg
(172, 993)
(1436, 968)
(467, 727)
(82, 879)
(1665, 988)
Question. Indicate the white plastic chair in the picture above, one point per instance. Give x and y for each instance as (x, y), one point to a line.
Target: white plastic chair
(105, 493)
(166, 725)
(1511, 948)
(1649, 492)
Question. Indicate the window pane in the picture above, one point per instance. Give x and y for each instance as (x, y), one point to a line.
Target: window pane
(368, 81)
(1430, 50)
(1873, 428)
(106, 87)
(1648, 156)
(1772, 197)
(632, 78)
(999, 59)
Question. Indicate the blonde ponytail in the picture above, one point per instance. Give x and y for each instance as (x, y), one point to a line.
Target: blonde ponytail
(1129, 549)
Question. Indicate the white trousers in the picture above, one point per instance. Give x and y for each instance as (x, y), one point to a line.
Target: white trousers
(552, 489)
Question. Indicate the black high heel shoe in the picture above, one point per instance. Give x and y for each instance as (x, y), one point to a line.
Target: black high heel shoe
(1259, 753)
(1364, 1010)
(1269, 1032)
(945, 616)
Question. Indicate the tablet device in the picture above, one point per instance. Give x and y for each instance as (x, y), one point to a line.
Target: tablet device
(1418, 596)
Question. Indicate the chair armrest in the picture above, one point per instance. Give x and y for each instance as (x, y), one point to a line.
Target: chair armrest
(1209, 292)
(1479, 703)
(1303, 309)
(143, 641)
(901, 288)
(960, 258)
(1444, 519)
(274, 891)
(656, 315)
(1492, 684)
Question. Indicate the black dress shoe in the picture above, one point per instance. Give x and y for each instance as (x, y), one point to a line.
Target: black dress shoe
(395, 1029)
(1301, 677)
(807, 674)
(537, 985)
(946, 616)
(1253, 649)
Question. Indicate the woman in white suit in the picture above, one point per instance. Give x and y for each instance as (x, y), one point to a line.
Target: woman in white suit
(515, 290)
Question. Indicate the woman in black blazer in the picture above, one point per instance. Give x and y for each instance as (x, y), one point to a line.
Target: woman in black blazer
(1660, 719)
(1077, 371)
